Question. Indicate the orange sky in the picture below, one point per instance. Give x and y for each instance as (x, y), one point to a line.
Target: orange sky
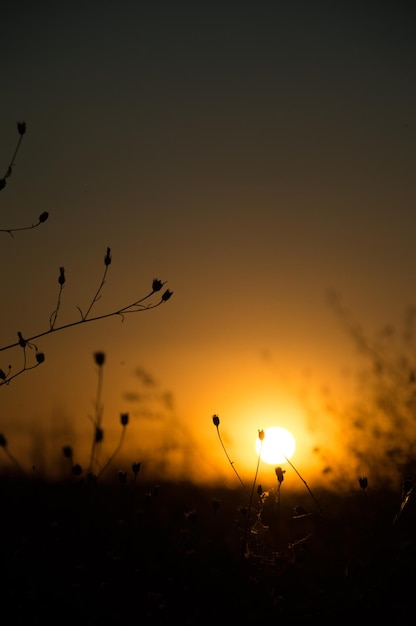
(254, 158)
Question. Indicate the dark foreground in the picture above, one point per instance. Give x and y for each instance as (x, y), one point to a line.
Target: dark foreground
(137, 554)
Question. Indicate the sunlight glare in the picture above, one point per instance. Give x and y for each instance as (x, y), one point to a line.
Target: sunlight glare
(278, 445)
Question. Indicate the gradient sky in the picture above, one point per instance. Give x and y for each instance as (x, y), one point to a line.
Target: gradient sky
(255, 156)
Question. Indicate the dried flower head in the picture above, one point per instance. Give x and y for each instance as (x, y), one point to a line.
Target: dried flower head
(67, 452)
(21, 128)
(22, 342)
(157, 284)
(43, 217)
(61, 278)
(166, 295)
(99, 434)
(3, 441)
(136, 467)
(40, 357)
(77, 470)
(216, 420)
(124, 419)
(261, 435)
(107, 258)
(3, 375)
(279, 473)
(99, 358)
(363, 481)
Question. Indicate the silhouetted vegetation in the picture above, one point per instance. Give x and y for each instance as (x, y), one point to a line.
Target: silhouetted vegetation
(102, 546)
(104, 552)
(25, 341)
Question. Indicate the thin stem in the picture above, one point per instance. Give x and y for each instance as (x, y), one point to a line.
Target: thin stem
(14, 230)
(15, 152)
(14, 460)
(232, 464)
(307, 487)
(120, 444)
(96, 297)
(243, 548)
(127, 309)
(23, 369)
(97, 419)
(53, 317)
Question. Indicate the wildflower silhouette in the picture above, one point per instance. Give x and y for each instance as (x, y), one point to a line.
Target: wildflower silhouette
(21, 129)
(7, 374)
(216, 422)
(245, 551)
(142, 304)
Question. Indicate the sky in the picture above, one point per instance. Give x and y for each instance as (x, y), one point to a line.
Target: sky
(257, 157)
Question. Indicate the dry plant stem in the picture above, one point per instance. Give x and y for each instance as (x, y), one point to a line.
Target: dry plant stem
(97, 421)
(26, 368)
(97, 295)
(253, 486)
(307, 487)
(232, 464)
(14, 461)
(12, 160)
(52, 320)
(10, 231)
(127, 309)
(116, 451)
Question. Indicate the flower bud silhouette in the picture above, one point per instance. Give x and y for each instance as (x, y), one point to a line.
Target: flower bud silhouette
(216, 420)
(279, 474)
(136, 468)
(157, 284)
(21, 128)
(107, 258)
(67, 452)
(124, 419)
(40, 357)
(77, 470)
(167, 294)
(61, 279)
(43, 217)
(99, 434)
(122, 476)
(99, 358)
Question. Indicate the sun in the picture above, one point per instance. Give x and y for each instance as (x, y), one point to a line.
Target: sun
(277, 447)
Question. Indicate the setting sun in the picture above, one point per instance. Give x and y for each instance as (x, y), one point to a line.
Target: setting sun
(277, 447)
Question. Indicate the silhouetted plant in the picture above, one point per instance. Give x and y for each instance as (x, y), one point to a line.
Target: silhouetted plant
(245, 547)
(26, 342)
(4, 447)
(380, 421)
(138, 306)
(216, 422)
(21, 129)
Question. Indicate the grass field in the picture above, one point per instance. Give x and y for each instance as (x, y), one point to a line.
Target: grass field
(137, 553)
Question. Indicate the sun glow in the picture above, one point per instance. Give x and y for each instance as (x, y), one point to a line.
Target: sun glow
(277, 446)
